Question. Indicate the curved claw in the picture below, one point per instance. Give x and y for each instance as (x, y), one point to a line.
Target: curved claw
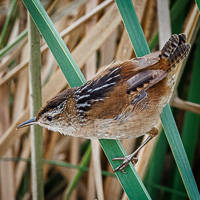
(120, 168)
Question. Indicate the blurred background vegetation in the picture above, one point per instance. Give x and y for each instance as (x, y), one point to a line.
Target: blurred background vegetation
(95, 35)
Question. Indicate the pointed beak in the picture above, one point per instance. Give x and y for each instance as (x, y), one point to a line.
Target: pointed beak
(27, 123)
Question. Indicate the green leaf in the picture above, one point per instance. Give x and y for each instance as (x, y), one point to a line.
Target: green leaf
(5, 34)
(179, 154)
(10, 46)
(133, 27)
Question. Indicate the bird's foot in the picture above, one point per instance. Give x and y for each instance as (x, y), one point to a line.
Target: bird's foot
(126, 160)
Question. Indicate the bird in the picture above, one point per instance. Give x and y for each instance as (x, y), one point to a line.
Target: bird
(124, 100)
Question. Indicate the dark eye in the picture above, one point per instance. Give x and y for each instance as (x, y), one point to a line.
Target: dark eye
(49, 118)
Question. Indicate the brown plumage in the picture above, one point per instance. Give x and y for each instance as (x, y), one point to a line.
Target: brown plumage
(122, 101)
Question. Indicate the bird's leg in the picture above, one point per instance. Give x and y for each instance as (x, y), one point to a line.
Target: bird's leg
(131, 158)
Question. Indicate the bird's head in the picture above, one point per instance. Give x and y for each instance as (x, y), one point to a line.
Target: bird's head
(54, 115)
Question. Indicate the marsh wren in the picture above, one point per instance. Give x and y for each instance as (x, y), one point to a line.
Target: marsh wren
(125, 100)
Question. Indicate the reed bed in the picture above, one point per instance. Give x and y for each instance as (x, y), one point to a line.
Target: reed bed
(77, 38)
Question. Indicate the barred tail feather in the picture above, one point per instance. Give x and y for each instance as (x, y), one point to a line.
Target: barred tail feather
(175, 49)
